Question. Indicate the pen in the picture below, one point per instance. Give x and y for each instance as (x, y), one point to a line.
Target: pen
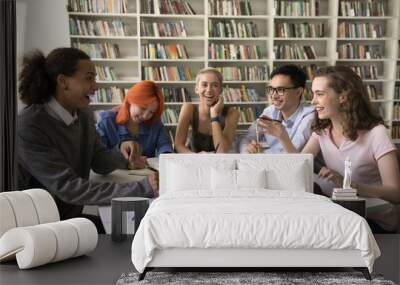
(216, 149)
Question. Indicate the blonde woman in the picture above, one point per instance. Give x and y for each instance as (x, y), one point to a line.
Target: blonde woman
(213, 124)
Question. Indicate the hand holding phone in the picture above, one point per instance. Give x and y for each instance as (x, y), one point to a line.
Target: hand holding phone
(266, 118)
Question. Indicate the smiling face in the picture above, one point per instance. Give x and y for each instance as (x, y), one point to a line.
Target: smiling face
(79, 87)
(290, 99)
(140, 115)
(208, 87)
(325, 99)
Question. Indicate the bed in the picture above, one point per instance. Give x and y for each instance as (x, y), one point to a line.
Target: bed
(236, 210)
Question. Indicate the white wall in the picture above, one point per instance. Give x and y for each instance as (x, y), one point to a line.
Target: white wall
(41, 24)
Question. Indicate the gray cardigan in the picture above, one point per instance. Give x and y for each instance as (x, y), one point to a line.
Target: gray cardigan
(58, 158)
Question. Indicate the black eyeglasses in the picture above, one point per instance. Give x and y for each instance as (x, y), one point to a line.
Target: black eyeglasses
(279, 90)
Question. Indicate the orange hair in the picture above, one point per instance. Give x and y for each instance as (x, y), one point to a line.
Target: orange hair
(141, 94)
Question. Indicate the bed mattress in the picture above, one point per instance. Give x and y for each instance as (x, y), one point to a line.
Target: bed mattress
(251, 219)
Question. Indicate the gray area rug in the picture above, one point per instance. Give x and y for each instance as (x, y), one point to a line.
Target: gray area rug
(229, 278)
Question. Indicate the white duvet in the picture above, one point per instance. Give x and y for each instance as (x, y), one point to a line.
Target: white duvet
(256, 218)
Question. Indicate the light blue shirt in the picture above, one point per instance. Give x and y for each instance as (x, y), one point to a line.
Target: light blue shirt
(298, 126)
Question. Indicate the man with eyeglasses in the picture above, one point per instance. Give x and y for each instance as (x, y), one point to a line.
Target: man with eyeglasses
(285, 90)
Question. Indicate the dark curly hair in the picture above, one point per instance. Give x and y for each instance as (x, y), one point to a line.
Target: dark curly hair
(356, 112)
(38, 78)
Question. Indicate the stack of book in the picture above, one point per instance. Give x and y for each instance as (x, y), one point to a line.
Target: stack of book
(344, 194)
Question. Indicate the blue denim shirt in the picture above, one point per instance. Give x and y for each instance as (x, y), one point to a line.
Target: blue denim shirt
(298, 126)
(153, 138)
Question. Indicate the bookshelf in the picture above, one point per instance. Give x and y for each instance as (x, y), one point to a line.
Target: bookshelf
(245, 40)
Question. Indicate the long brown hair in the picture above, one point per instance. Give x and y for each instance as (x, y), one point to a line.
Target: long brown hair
(356, 112)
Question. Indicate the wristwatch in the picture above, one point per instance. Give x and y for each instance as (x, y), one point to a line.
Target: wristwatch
(215, 119)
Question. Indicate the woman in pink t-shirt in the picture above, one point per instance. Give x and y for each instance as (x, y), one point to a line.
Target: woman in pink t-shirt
(346, 126)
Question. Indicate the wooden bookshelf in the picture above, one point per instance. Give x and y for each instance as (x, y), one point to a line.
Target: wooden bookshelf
(264, 29)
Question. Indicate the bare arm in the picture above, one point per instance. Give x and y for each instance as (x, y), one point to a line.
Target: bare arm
(224, 139)
(390, 175)
(312, 146)
(184, 121)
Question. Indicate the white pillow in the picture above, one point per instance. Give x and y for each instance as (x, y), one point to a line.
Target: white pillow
(188, 176)
(282, 174)
(251, 178)
(224, 179)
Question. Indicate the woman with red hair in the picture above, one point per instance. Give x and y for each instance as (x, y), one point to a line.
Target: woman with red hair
(135, 126)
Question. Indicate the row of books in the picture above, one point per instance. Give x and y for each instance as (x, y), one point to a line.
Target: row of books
(105, 73)
(396, 130)
(116, 95)
(397, 92)
(99, 28)
(167, 7)
(242, 94)
(366, 71)
(244, 73)
(230, 7)
(232, 29)
(176, 94)
(167, 73)
(360, 30)
(297, 7)
(109, 95)
(396, 111)
(372, 93)
(309, 70)
(248, 114)
(170, 116)
(98, 6)
(99, 50)
(300, 30)
(232, 51)
(168, 29)
(164, 51)
(294, 52)
(366, 8)
(344, 194)
(359, 51)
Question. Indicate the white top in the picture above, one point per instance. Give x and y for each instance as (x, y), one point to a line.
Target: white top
(54, 109)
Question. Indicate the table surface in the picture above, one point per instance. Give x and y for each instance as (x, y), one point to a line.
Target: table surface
(104, 265)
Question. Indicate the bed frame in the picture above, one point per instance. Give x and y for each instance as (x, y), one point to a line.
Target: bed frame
(251, 258)
(256, 258)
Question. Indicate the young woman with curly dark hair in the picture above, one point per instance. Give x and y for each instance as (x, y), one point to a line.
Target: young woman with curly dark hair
(57, 141)
(346, 126)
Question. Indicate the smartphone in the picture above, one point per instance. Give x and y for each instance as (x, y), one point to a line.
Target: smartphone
(269, 119)
(263, 145)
